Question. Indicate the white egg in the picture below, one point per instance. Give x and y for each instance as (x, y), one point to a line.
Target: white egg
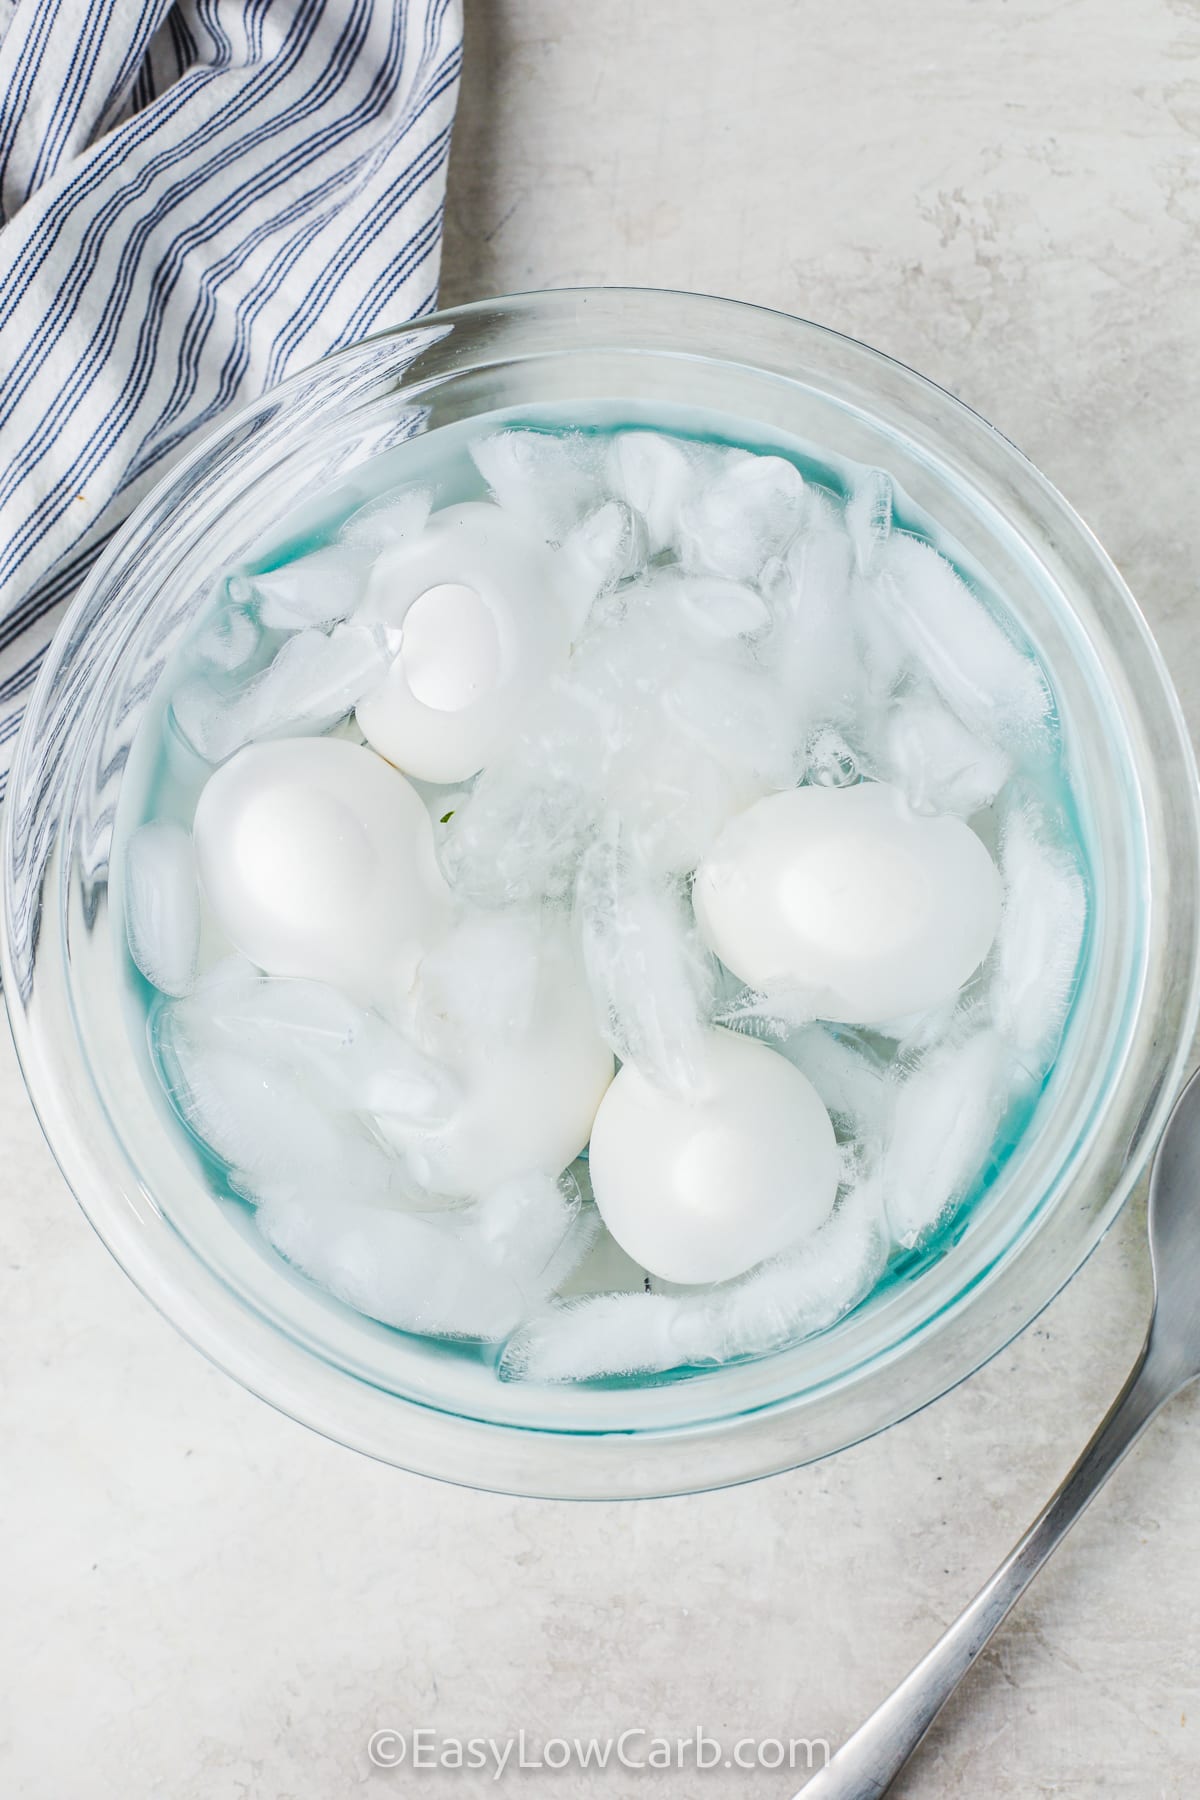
(503, 1006)
(701, 1189)
(870, 910)
(483, 617)
(316, 858)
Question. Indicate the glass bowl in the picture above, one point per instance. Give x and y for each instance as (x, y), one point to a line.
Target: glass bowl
(415, 1402)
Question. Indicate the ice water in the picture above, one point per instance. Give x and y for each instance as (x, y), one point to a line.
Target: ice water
(741, 617)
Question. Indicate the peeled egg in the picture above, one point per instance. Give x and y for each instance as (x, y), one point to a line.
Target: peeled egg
(316, 859)
(700, 1189)
(871, 910)
(483, 622)
(505, 1009)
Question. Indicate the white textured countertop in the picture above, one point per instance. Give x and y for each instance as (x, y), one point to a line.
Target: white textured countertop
(202, 1601)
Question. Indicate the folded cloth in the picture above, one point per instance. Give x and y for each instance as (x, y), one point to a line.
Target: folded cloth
(195, 199)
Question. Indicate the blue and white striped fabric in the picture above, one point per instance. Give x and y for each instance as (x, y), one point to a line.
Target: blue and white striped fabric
(195, 199)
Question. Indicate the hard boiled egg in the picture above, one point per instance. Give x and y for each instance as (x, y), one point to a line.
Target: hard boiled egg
(316, 858)
(872, 911)
(502, 1006)
(483, 622)
(701, 1189)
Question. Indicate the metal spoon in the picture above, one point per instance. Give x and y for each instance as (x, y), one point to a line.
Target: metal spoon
(869, 1762)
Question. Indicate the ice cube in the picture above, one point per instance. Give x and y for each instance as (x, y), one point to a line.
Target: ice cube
(885, 658)
(315, 679)
(606, 547)
(384, 523)
(508, 1013)
(622, 662)
(319, 589)
(227, 641)
(162, 905)
(550, 480)
(601, 1334)
(481, 981)
(813, 645)
(674, 785)
(415, 1272)
(915, 1033)
(944, 1119)
(774, 1013)
(469, 1272)
(801, 1292)
(748, 511)
(1036, 956)
(715, 608)
(519, 833)
(951, 637)
(937, 763)
(271, 1076)
(536, 1229)
(677, 799)
(262, 1120)
(850, 1079)
(351, 1058)
(651, 979)
(737, 712)
(869, 518)
(656, 476)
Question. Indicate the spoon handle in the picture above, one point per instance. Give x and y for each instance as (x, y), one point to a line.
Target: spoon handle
(868, 1763)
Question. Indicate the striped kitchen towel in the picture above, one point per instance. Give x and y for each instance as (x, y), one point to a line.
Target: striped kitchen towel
(195, 199)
